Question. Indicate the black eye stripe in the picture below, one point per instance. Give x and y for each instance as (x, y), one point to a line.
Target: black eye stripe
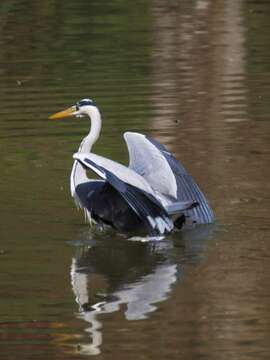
(85, 103)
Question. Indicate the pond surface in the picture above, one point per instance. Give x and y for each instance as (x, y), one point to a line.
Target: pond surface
(192, 74)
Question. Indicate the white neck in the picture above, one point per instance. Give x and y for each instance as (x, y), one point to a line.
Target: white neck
(91, 138)
(78, 173)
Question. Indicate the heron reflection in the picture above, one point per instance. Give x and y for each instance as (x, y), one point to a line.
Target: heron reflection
(104, 278)
(132, 277)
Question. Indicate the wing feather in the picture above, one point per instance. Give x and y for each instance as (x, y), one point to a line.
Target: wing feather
(147, 160)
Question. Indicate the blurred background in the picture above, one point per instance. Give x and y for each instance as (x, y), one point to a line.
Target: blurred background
(192, 74)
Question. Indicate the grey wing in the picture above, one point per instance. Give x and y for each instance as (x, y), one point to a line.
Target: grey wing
(148, 161)
(166, 175)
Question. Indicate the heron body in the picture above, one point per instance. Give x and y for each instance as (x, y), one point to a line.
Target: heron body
(154, 193)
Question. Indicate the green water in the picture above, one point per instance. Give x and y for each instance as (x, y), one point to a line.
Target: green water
(192, 74)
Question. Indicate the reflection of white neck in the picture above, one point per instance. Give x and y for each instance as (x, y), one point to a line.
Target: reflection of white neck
(80, 289)
(78, 173)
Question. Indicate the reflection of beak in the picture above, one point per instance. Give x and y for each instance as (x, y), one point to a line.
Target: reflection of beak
(63, 114)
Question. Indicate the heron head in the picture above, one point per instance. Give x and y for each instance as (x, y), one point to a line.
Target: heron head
(80, 109)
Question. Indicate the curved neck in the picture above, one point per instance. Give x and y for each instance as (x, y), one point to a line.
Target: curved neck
(91, 138)
(78, 173)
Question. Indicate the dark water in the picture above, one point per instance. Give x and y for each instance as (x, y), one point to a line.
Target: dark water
(193, 74)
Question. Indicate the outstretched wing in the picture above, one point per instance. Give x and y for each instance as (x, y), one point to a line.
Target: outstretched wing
(133, 188)
(148, 161)
(166, 175)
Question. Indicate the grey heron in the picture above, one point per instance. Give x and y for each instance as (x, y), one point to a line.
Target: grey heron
(154, 193)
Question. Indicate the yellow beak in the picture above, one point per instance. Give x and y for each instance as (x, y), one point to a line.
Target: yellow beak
(63, 114)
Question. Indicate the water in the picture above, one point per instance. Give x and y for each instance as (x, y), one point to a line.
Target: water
(195, 75)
